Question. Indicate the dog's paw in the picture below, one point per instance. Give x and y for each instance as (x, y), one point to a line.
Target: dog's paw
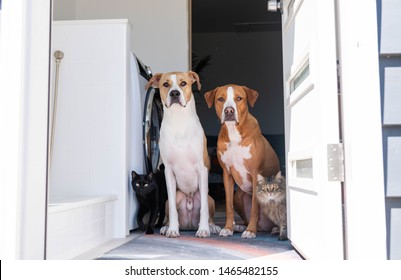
(163, 230)
(169, 232)
(202, 233)
(239, 228)
(214, 229)
(248, 234)
(226, 232)
(172, 233)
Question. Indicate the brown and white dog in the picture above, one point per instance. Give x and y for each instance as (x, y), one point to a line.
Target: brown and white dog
(183, 151)
(243, 154)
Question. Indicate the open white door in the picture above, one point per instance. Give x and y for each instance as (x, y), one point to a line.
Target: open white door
(315, 224)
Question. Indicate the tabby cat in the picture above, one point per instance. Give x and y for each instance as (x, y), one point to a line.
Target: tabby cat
(271, 195)
(151, 193)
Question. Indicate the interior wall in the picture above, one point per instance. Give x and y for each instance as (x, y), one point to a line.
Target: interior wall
(64, 9)
(253, 59)
(160, 38)
(160, 29)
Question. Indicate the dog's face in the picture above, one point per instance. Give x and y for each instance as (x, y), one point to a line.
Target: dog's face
(231, 101)
(175, 87)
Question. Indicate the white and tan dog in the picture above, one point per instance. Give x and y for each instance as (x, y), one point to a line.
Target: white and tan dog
(183, 151)
(243, 153)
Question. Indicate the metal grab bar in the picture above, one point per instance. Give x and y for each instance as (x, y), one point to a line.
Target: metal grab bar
(59, 55)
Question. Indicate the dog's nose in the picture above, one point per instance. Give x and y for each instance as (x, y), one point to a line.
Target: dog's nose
(229, 110)
(174, 93)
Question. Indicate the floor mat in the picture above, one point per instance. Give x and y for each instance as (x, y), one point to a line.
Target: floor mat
(189, 247)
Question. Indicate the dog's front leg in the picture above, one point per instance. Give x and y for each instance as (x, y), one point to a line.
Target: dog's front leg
(203, 230)
(229, 191)
(251, 229)
(173, 225)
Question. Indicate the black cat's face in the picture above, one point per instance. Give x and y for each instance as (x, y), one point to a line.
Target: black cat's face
(142, 184)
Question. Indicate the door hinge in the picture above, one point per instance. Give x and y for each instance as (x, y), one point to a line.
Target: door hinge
(335, 162)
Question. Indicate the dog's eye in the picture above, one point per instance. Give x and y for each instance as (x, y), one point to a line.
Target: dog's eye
(165, 84)
(146, 185)
(183, 84)
(239, 98)
(221, 99)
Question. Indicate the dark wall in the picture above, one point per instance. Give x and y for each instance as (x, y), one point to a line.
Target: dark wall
(253, 59)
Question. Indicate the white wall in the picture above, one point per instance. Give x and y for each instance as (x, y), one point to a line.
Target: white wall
(160, 28)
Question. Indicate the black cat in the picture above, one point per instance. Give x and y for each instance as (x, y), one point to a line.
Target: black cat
(151, 193)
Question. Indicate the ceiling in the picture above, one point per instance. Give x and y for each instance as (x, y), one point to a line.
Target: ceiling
(233, 16)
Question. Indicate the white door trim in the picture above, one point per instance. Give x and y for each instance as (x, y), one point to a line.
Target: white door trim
(24, 87)
(24, 49)
(365, 223)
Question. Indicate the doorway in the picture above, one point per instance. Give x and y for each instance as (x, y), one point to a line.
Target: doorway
(244, 49)
(239, 42)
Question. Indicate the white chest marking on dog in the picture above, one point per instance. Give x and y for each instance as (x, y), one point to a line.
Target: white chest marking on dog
(235, 155)
(229, 103)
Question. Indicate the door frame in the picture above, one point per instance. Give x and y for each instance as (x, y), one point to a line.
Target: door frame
(364, 211)
(24, 87)
(26, 78)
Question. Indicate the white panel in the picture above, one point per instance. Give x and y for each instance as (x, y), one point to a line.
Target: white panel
(312, 122)
(299, 223)
(90, 154)
(362, 129)
(393, 167)
(395, 229)
(79, 223)
(390, 26)
(392, 96)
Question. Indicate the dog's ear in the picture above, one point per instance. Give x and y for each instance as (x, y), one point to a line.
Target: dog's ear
(209, 97)
(154, 81)
(251, 95)
(194, 78)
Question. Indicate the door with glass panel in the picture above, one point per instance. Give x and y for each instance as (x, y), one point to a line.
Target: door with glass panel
(314, 193)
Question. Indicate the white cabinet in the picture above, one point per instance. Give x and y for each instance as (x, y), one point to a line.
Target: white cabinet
(91, 154)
